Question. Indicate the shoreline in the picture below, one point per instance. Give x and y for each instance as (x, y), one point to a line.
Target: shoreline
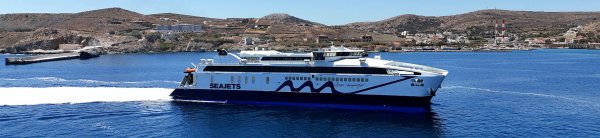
(395, 51)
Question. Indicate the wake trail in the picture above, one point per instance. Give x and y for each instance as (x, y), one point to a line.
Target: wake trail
(57, 79)
(523, 93)
(60, 95)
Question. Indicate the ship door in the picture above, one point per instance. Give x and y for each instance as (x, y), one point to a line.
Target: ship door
(188, 80)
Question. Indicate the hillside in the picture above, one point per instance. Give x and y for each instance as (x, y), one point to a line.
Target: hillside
(105, 20)
(25, 22)
(127, 31)
(479, 22)
(282, 18)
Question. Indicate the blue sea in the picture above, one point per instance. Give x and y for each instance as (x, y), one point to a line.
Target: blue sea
(540, 93)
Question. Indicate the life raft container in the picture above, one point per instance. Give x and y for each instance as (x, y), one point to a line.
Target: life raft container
(189, 70)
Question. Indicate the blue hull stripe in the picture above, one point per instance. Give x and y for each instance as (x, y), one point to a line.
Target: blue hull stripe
(324, 100)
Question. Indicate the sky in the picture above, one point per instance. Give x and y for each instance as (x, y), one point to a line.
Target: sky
(329, 12)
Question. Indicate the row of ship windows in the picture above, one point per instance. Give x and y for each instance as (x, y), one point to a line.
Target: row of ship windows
(268, 79)
(239, 79)
(329, 79)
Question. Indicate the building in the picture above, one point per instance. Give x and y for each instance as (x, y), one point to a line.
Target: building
(248, 41)
(322, 39)
(570, 36)
(261, 26)
(366, 38)
(179, 28)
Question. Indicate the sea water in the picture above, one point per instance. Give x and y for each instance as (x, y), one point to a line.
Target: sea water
(550, 92)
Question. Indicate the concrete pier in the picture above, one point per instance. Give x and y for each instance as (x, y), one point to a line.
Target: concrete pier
(51, 57)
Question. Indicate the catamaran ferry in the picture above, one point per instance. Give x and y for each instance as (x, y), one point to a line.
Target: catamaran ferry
(335, 77)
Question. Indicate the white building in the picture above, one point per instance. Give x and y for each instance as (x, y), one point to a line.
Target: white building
(179, 28)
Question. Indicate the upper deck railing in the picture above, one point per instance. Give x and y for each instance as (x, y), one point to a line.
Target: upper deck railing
(418, 67)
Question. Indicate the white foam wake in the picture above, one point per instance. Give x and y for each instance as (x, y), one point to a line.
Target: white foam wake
(56, 79)
(510, 92)
(59, 95)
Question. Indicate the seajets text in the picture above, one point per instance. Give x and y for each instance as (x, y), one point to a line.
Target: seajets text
(224, 86)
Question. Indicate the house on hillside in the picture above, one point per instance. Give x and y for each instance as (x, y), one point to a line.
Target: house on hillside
(322, 39)
(366, 38)
(179, 28)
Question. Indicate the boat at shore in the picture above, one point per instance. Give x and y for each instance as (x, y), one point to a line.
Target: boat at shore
(335, 77)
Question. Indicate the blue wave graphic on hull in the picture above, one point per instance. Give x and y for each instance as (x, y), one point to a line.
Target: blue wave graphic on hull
(329, 84)
(309, 84)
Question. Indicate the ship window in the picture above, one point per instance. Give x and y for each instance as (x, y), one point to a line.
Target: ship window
(253, 79)
(212, 79)
(245, 79)
(367, 79)
(337, 79)
(345, 79)
(239, 79)
(268, 80)
(353, 79)
(342, 54)
(232, 79)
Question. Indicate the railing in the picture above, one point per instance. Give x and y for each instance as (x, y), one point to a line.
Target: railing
(418, 67)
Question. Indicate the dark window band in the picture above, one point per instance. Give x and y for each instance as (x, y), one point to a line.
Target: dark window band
(341, 70)
(284, 58)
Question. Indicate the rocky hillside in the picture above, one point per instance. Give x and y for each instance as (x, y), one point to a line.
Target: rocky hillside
(127, 31)
(183, 18)
(29, 21)
(592, 27)
(282, 18)
(106, 20)
(479, 22)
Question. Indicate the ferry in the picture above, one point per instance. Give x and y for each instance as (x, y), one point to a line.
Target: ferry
(334, 77)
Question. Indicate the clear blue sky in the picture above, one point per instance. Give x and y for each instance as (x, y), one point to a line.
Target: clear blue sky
(330, 12)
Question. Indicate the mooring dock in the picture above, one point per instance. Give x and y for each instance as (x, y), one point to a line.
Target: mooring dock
(50, 57)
